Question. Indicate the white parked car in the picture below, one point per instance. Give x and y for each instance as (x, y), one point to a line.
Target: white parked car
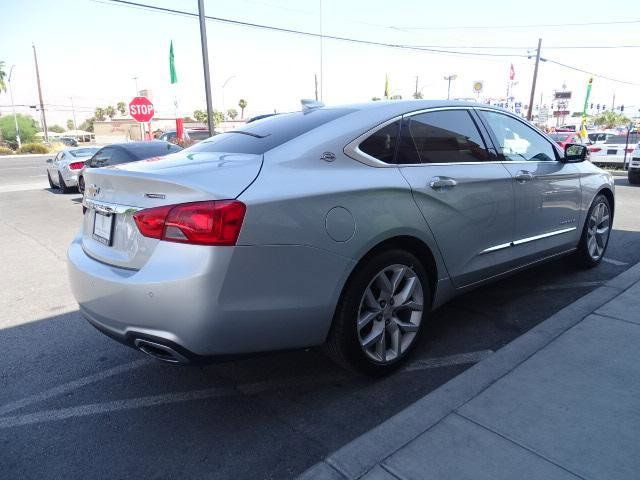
(611, 151)
(634, 166)
(63, 169)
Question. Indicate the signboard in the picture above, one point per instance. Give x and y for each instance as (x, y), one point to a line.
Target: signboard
(561, 113)
(141, 109)
(562, 95)
(477, 86)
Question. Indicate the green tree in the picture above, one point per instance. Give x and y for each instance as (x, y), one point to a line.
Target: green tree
(26, 124)
(242, 104)
(217, 117)
(99, 114)
(110, 112)
(232, 113)
(200, 116)
(122, 108)
(3, 75)
(610, 119)
(56, 129)
(87, 125)
(69, 124)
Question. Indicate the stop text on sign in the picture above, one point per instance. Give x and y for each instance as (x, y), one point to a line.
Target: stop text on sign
(141, 109)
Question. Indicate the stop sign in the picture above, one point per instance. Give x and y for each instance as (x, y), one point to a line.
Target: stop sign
(141, 109)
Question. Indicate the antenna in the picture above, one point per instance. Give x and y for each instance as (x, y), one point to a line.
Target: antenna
(309, 104)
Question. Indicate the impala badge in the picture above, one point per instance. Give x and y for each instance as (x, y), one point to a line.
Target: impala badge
(328, 157)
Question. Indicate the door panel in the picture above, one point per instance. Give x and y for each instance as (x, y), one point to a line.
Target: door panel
(547, 191)
(466, 201)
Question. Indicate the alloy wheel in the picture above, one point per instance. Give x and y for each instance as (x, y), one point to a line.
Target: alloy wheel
(598, 230)
(390, 313)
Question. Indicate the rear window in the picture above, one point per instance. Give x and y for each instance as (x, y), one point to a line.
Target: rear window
(142, 150)
(83, 152)
(622, 139)
(558, 138)
(263, 135)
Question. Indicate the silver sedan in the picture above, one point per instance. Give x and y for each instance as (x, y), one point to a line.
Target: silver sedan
(63, 169)
(343, 227)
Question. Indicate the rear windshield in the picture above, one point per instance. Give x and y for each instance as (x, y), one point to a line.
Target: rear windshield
(142, 150)
(622, 139)
(83, 152)
(263, 135)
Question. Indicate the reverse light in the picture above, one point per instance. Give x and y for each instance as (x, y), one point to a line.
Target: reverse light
(215, 222)
(76, 165)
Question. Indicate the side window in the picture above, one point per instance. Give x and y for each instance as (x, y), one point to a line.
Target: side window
(101, 158)
(516, 140)
(447, 136)
(381, 144)
(118, 156)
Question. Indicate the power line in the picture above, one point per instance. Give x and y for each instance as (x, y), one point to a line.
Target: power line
(553, 47)
(133, 4)
(532, 25)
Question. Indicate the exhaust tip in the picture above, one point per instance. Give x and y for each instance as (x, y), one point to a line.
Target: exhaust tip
(159, 351)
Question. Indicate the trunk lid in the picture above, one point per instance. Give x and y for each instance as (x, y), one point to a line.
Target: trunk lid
(119, 192)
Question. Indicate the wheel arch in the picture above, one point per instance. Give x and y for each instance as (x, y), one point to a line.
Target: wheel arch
(607, 192)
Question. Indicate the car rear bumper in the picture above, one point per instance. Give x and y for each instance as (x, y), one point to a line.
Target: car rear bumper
(211, 301)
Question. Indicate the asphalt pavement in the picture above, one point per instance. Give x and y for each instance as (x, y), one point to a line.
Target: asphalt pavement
(76, 404)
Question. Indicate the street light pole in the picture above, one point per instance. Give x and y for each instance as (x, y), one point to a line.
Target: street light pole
(13, 107)
(73, 109)
(44, 118)
(205, 65)
(135, 79)
(535, 79)
(449, 79)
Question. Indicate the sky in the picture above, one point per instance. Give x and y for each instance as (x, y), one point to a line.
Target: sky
(91, 50)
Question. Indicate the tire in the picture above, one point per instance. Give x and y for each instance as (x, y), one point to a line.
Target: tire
(51, 184)
(63, 186)
(634, 177)
(81, 184)
(597, 228)
(396, 327)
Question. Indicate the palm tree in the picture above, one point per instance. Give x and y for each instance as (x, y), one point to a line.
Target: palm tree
(99, 114)
(121, 107)
(69, 124)
(242, 104)
(110, 112)
(232, 113)
(3, 74)
(610, 119)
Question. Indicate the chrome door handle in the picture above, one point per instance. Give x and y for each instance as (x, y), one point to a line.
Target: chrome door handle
(438, 183)
(523, 176)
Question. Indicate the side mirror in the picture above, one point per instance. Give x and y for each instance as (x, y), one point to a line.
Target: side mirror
(49, 160)
(575, 153)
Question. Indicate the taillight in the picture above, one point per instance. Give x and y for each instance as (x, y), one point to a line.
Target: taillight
(630, 150)
(215, 222)
(76, 165)
(594, 149)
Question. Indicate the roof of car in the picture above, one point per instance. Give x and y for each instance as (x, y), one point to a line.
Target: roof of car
(144, 149)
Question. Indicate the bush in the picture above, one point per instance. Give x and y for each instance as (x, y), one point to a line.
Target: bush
(5, 151)
(33, 148)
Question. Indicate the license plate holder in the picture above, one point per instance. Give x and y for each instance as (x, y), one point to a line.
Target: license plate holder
(103, 227)
(612, 151)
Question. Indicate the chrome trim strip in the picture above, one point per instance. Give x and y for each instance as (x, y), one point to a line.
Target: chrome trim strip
(544, 235)
(105, 207)
(496, 248)
(526, 240)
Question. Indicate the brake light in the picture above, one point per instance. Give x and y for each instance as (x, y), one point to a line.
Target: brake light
(594, 149)
(630, 150)
(215, 222)
(76, 165)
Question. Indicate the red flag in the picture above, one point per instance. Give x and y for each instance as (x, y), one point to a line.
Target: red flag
(512, 73)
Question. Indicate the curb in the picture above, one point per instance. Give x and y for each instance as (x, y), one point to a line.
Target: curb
(361, 455)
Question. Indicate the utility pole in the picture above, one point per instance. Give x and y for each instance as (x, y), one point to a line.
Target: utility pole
(321, 56)
(315, 78)
(44, 118)
(73, 109)
(205, 65)
(13, 107)
(613, 102)
(415, 95)
(135, 79)
(535, 79)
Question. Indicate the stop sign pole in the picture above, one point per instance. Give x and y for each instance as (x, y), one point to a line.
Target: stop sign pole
(141, 109)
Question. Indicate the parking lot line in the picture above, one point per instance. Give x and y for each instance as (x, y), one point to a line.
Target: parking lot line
(21, 187)
(614, 262)
(178, 397)
(73, 385)
(459, 359)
